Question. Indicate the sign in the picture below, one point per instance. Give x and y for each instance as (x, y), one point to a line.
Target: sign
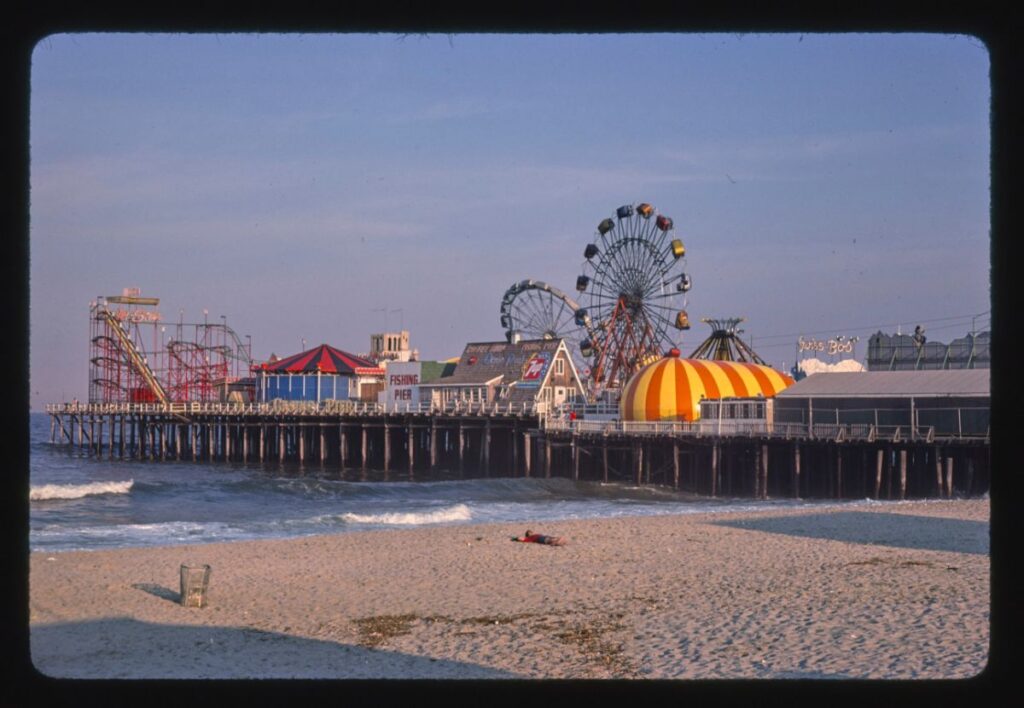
(534, 369)
(137, 315)
(402, 383)
(833, 347)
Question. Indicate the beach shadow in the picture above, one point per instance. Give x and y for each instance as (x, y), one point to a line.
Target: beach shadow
(159, 591)
(124, 648)
(878, 528)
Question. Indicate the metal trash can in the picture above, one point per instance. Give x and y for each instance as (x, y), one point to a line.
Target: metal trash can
(195, 579)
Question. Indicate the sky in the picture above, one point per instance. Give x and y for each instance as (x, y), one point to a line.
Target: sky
(319, 188)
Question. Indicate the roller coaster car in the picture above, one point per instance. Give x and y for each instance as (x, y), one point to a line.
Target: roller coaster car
(606, 226)
(682, 320)
(582, 282)
(625, 211)
(645, 210)
(684, 283)
(678, 249)
(590, 251)
(663, 222)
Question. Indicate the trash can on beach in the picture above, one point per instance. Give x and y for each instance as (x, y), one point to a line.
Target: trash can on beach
(195, 579)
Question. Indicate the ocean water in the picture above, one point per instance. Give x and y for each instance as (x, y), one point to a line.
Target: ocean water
(80, 502)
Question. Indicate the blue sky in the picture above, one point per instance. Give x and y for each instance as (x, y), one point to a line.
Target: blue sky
(823, 184)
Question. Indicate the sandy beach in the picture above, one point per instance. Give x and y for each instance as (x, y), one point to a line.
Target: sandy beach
(896, 591)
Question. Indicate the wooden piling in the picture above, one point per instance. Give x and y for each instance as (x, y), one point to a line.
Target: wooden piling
(363, 445)
(938, 471)
(839, 472)
(485, 453)
(514, 449)
(387, 447)
(547, 457)
(949, 476)
(527, 448)
(638, 462)
(903, 474)
(675, 464)
(575, 457)
(433, 443)
(412, 448)
(604, 457)
(714, 470)
(462, 448)
(757, 472)
(796, 470)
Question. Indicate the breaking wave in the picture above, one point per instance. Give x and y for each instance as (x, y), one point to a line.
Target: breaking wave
(77, 491)
(459, 512)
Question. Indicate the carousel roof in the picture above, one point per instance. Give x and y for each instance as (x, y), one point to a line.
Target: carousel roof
(325, 359)
(671, 388)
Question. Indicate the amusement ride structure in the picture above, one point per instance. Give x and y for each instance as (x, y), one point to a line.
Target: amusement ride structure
(724, 343)
(134, 356)
(635, 287)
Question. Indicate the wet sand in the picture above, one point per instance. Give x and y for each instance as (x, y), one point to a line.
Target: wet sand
(893, 591)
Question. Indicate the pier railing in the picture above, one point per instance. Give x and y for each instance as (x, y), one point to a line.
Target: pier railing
(550, 418)
(314, 408)
(762, 429)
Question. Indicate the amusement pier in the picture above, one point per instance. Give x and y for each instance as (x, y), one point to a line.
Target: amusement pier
(590, 386)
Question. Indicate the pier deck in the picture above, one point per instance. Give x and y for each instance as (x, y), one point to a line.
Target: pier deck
(715, 458)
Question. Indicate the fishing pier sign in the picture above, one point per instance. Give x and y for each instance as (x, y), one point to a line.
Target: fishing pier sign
(402, 383)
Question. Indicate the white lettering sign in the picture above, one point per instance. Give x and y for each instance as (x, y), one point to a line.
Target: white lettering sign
(832, 347)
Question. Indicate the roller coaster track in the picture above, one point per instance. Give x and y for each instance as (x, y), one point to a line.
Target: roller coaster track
(135, 357)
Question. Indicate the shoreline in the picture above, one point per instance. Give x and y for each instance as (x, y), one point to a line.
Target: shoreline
(701, 506)
(877, 591)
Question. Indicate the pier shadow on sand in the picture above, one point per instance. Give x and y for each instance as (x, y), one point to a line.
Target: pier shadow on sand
(124, 648)
(878, 528)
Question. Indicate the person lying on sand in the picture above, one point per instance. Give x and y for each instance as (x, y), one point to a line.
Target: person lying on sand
(531, 537)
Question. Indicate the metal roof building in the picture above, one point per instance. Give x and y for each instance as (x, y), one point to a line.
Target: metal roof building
(887, 384)
(950, 402)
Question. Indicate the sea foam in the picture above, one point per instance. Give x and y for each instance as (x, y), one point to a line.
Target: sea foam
(77, 491)
(459, 512)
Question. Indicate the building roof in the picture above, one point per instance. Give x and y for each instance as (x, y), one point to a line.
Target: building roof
(671, 388)
(892, 384)
(325, 359)
(431, 371)
(522, 366)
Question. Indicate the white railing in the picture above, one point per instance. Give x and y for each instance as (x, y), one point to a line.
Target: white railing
(280, 407)
(745, 428)
(550, 418)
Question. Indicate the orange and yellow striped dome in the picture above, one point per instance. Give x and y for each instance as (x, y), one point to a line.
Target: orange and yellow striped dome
(671, 388)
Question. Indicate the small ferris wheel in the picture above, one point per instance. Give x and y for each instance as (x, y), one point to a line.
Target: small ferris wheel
(635, 280)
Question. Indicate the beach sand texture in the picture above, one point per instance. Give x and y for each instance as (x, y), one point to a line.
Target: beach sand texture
(896, 591)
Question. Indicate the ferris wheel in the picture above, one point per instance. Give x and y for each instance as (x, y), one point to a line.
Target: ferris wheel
(533, 309)
(635, 281)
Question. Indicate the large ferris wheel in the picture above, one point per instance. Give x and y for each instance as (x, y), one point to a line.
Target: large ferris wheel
(635, 286)
(635, 279)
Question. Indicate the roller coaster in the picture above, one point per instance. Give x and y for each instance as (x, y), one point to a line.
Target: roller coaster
(132, 358)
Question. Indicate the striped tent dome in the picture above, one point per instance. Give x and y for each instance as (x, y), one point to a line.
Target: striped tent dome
(671, 388)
